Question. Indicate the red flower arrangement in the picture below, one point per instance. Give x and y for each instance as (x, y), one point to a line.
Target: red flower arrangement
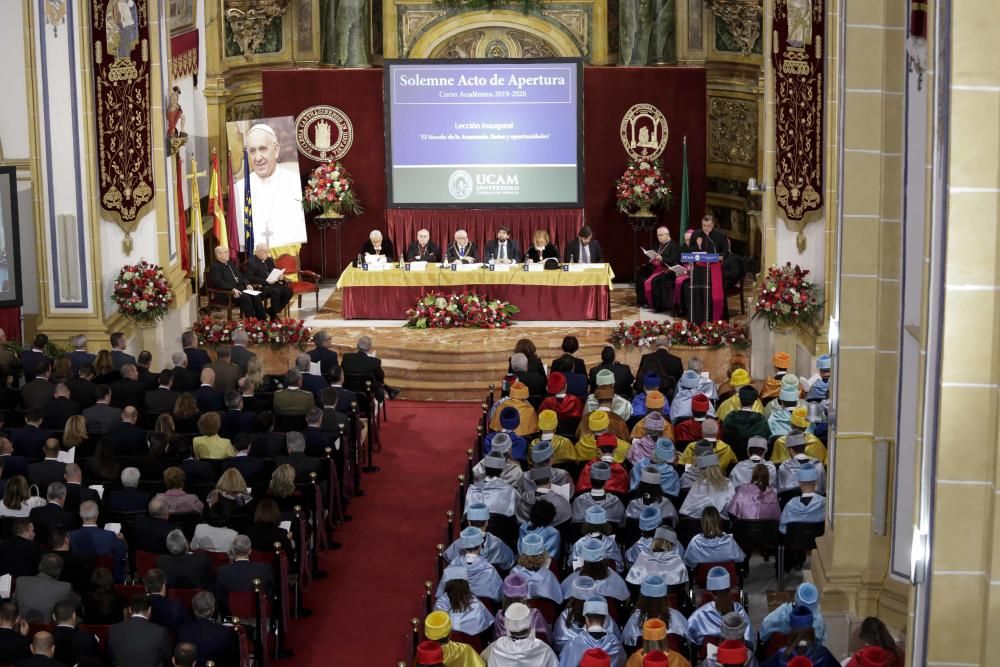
(440, 310)
(642, 333)
(142, 292)
(786, 298)
(273, 332)
(643, 185)
(331, 188)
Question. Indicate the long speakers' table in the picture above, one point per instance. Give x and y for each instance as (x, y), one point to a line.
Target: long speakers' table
(540, 295)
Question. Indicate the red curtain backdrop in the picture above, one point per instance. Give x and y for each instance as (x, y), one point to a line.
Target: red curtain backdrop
(679, 92)
(10, 322)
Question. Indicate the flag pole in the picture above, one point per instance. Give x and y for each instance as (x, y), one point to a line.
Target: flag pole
(197, 232)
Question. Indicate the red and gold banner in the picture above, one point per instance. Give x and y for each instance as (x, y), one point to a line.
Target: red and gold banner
(797, 55)
(120, 33)
(184, 56)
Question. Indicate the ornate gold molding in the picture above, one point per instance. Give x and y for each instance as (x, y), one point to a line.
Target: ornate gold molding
(249, 20)
(733, 127)
(743, 18)
(575, 20)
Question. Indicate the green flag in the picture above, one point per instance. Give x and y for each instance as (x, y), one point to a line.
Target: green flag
(685, 198)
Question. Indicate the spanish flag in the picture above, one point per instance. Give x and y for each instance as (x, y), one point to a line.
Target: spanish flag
(215, 207)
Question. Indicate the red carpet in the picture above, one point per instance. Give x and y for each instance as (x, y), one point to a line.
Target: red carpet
(361, 612)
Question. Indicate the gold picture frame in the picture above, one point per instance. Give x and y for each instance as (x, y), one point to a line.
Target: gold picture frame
(182, 15)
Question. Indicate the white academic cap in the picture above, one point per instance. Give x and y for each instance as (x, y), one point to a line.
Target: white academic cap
(517, 617)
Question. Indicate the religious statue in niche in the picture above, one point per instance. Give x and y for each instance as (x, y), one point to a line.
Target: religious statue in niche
(662, 48)
(175, 114)
(799, 23)
(121, 24)
(635, 23)
(352, 33)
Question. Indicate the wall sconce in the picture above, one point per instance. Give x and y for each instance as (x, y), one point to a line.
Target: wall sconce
(756, 189)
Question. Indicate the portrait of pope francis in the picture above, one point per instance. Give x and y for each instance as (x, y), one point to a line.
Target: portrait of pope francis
(275, 189)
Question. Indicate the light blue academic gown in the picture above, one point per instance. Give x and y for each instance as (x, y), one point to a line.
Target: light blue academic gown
(499, 496)
(780, 423)
(563, 633)
(574, 649)
(484, 581)
(667, 511)
(779, 621)
(703, 549)
(742, 472)
(612, 586)
(669, 481)
(494, 550)
(681, 405)
(667, 564)
(541, 583)
(632, 632)
(611, 549)
(706, 621)
(818, 391)
(472, 621)
(549, 535)
(645, 545)
(797, 511)
(788, 473)
(610, 503)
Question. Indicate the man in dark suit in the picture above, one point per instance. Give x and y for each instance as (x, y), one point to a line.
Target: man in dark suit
(266, 444)
(29, 440)
(76, 493)
(238, 576)
(52, 515)
(252, 468)
(128, 498)
(171, 614)
(240, 355)
(92, 539)
(58, 411)
(345, 397)
(77, 567)
(43, 647)
(71, 645)
(314, 384)
(197, 358)
(225, 274)
(127, 438)
(49, 470)
(235, 419)
(147, 377)
(661, 362)
(623, 374)
(128, 390)
(79, 357)
(13, 464)
(185, 380)
(150, 531)
(277, 293)
(317, 440)
(462, 250)
(332, 416)
(584, 249)
(363, 364)
(184, 568)
(163, 398)
(502, 249)
(213, 640)
(19, 555)
(14, 642)
(208, 397)
(33, 358)
(119, 357)
(304, 465)
(38, 392)
(82, 389)
(423, 249)
(137, 642)
(323, 353)
(102, 416)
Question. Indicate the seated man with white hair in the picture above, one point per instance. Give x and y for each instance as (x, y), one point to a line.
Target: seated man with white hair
(364, 364)
(259, 267)
(423, 249)
(128, 498)
(215, 641)
(377, 248)
(462, 250)
(92, 539)
(224, 274)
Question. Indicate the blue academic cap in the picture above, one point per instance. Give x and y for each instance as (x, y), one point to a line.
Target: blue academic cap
(591, 550)
(595, 516)
(718, 579)
(824, 362)
(470, 538)
(583, 588)
(807, 595)
(531, 544)
(800, 618)
(600, 470)
(650, 518)
(510, 418)
(478, 512)
(654, 586)
(789, 393)
(650, 381)
(500, 443)
(595, 606)
(541, 451)
(494, 461)
(807, 473)
(690, 379)
(664, 450)
(453, 572)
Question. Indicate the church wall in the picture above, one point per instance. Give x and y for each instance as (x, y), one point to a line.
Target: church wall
(14, 127)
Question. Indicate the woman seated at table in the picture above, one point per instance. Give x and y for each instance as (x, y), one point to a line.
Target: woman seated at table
(541, 248)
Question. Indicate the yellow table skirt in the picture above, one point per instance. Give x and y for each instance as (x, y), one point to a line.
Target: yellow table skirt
(433, 277)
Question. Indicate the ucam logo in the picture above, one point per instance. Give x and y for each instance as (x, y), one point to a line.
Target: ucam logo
(497, 179)
(460, 184)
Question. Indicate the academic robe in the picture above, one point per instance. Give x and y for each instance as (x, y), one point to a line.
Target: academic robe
(776, 406)
(703, 549)
(667, 512)
(499, 496)
(466, 253)
(655, 281)
(611, 550)
(639, 406)
(586, 449)
(616, 426)
(645, 545)
(533, 494)
(528, 652)
(727, 457)
(512, 472)
(518, 445)
(674, 659)
(484, 581)
(561, 482)
(815, 449)
(742, 472)
(740, 426)
(529, 418)
(563, 631)
(803, 509)
(752, 504)
(772, 387)
(669, 481)
(566, 406)
(642, 448)
(550, 536)
(733, 404)
(788, 471)
(817, 654)
(689, 430)
(542, 583)
(702, 495)
(681, 405)
(574, 649)
(428, 253)
(779, 620)
(493, 550)
(611, 586)
(818, 391)
(632, 631)
(706, 621)
(667, 564)
(706, 274)
(539, 626)
(617, 483)
(780, 423)
(639, 429)
(610, 502)
(386, 248)
(548, 252)
(457, 654)
(619, 406)
(563, 450)
(472, 621)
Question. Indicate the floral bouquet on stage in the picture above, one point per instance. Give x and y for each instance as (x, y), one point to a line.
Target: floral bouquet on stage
(259, 332)
(439, 310)
(642, 333)
(331, 189)
(142, 292)
(643, 186)
(785, 298)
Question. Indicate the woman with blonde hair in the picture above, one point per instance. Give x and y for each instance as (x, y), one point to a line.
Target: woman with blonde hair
(541, 249)
(75, 432)
(231, 491)
(712, 544)
(255, 372)
(17, 499)
(712, 489)
(165, 425)
(282, 488)
(104, 368)
(62, 369)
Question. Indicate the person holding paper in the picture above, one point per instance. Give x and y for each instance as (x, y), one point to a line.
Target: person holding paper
(271, 282)
(654, 281)
(423, 249)
(225, 274)
(541, 248)
(377, 248)
(462, 251)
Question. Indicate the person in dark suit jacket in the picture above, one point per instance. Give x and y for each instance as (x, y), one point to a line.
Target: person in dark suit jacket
(14, 642)
(77, 567)
(209, 398)
(128, 498)
(92, 539)
(171, 614)
(150, 531)
(35, 357)
(38, 392)
(534, 380)
(378, 245)
(58, 411)
(238, 576)
(323, 353)
(163, 398)
(138, 642)
(317, 440)
(462, 249)
(184, 568)
(253, 469)
(296, 457)
(502, 249)
(314, 384)
(12, 464)
(119, 357)
(226, 372)
(235, 419)
(661, 362)
(20, 554)
(36, 595)
(570, 346)
(52, 515)
(184, 379)
(42, 649)
(240, 355)
(29, 440)
(345, 397)
(82, 389)
(584, 249)
(213, 641)
(277, 294)
(102, 416)
(79, 357)
(358, 366)
(197, 357)
(623, 374)
(76, 493)
(225, 274)
(128, 390)
(423, 249)
(332, 416)
(148, 378)
(129, 439)
(48, 470)
(71, 645)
